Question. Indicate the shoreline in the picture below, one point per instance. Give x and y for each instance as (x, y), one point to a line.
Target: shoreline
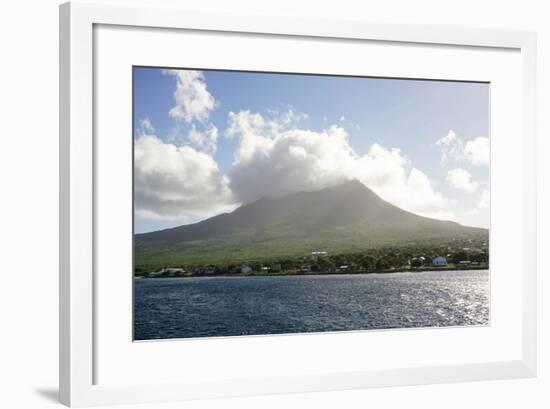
(318, 273)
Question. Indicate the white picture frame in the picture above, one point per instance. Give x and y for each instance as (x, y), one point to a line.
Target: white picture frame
(78, 291)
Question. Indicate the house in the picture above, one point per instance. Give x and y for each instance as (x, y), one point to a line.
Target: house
(463, 264)
(167, 272)
(344, 268)
(319, 254)
(246, 269)
(174, 271)
(439, 261)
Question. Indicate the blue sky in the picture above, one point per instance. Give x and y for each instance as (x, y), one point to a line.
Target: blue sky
(437, 126)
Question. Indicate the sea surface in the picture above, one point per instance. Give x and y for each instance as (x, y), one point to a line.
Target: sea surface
(228, 306)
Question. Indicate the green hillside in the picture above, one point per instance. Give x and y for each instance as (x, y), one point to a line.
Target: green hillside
(342, 219)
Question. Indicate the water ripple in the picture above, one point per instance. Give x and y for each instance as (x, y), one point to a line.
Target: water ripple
(227, 306)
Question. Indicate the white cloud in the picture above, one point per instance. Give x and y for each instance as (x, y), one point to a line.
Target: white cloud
(476, 151)
(273, 159)
(192, 110)
(256, 132)
(274, 156)
(484, 199)
(462, 179)
(447, 139)
(204, 141)
(289, 117)
(193, 101)
(177, 183)
(386, 171)
(146, 127)
(451, 147)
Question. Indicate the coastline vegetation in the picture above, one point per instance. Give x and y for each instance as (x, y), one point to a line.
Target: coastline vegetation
(470, 253)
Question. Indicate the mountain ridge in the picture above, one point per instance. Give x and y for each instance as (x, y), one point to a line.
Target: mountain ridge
(344, 217)
(257, 216)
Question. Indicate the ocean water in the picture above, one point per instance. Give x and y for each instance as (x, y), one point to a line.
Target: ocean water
(229, 306)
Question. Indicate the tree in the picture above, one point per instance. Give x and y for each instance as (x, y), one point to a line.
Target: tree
(367, 263)
(325, 264)
(276, 268)
(460, 256)
(480, 257)
(382, 264)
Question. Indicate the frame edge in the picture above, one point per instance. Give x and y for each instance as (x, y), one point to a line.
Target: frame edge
(76, 387)
(530, 331)
(64, 204)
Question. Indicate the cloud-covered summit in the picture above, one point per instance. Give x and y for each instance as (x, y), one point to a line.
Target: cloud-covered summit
(217, 145)
(275, 158)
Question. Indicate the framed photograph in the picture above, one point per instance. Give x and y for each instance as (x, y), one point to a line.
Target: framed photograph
(255, 204)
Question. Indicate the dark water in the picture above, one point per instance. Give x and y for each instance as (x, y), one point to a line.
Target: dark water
(226, 306)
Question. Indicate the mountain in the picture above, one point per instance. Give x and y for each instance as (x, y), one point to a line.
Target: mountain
(343, 218)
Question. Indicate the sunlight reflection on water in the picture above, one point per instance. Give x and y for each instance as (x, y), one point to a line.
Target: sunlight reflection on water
(227, 306)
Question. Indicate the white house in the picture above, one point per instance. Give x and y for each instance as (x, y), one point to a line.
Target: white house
(174, 270)
(439, 261)
(245, 269)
